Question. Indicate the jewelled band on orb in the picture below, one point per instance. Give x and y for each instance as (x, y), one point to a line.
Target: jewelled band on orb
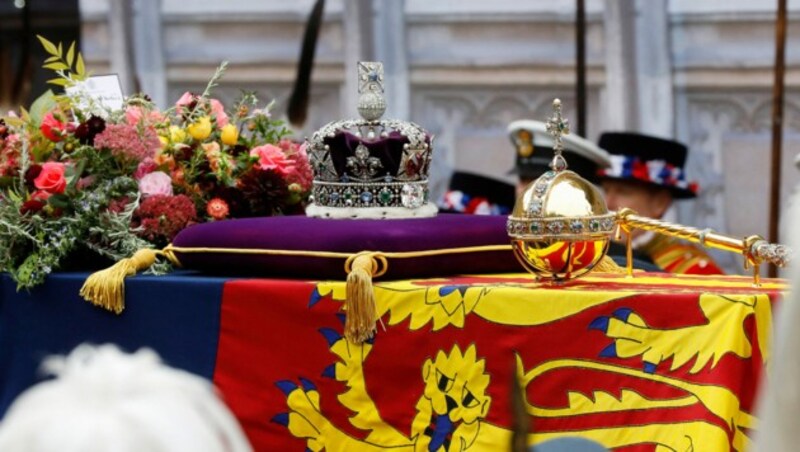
(598, 226)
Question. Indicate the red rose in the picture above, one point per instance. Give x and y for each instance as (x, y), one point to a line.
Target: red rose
(51, 179)
(33, 172)
(52, 128)
(31, 206)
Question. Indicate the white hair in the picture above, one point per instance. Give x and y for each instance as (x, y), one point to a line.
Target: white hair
(103, 399)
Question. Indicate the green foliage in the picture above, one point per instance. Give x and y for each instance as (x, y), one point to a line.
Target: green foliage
(70, 68)
(43, 104)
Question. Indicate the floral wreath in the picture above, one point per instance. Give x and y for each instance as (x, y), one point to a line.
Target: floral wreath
(76, 175)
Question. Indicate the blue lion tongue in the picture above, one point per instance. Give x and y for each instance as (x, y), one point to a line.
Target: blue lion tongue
(444, 426)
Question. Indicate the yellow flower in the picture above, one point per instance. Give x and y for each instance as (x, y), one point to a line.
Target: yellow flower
(164, 142)
(200, 129)
(229, 135)
(176, 134)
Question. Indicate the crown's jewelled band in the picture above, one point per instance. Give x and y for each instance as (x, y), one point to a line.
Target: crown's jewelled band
(411, 194)
(597, 226)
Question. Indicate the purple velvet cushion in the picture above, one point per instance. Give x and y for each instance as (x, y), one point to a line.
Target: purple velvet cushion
(348, 236)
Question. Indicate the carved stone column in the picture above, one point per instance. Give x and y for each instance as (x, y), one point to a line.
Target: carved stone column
(654, 69)
(359, 46)
(120, 13)
(147, 36)
(391, 49)
(621, 100)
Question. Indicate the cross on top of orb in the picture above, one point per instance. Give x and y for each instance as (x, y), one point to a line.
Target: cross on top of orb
(557, 126)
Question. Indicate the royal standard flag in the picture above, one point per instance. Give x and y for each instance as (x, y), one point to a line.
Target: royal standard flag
(655, 362)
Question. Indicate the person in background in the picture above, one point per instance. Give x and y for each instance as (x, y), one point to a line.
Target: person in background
(105, 400)
(534, 152)
(647, 175)
(478, 195)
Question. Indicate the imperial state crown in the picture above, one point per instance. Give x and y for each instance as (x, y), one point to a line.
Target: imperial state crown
(370, 167)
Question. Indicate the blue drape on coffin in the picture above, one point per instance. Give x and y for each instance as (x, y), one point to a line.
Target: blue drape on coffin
(176, 316)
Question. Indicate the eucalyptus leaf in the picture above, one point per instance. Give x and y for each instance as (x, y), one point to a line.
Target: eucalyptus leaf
(48, 46)
(57, 66)
(13, 121)
(80, 69)
(58, 81)
(71, 54)
(41, 106)
(14, 197)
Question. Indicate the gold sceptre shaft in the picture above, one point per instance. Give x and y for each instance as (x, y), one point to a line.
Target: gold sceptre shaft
(754, 248)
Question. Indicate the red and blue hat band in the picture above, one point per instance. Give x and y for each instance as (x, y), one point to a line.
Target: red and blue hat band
(658, 172)
(460, 202)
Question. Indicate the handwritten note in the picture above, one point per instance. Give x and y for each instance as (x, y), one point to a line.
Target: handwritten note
(104, 90)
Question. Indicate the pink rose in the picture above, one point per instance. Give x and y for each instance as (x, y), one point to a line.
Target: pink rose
(218, 111)
(41, 195)
(155, 183)
(51, 179)
(271, 157)
(186, 99)
(302, 174)
(146, 166)
(135, 114)
(52, 128)
(12, 139)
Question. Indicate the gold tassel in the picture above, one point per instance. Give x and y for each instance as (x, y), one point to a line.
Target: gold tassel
(106, 288)
(607, 265)
(361, 313)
